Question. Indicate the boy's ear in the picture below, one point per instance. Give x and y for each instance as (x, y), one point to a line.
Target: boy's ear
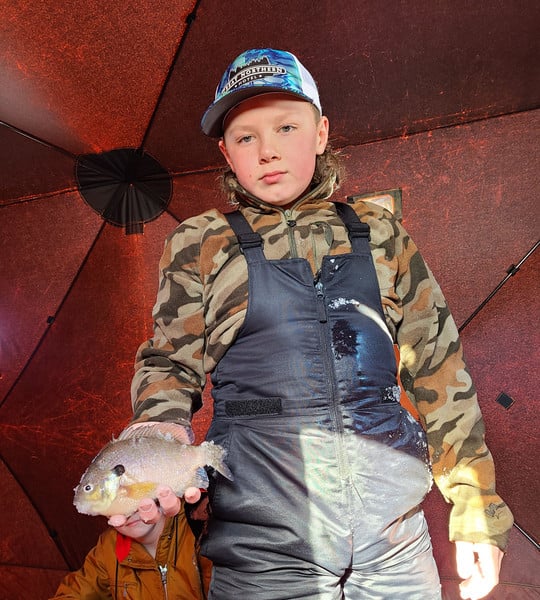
(223, 149)
(323, 129)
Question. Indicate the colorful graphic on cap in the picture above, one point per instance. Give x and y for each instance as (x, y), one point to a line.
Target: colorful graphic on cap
(276, 68)
(258, 71)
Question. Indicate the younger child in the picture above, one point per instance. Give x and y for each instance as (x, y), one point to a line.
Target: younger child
(141, 561)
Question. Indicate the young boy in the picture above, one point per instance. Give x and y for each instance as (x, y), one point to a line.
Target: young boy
(293, 303)
(141, 561)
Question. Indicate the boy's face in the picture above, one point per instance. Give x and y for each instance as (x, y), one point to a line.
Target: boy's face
(140, 531)
(271, 142)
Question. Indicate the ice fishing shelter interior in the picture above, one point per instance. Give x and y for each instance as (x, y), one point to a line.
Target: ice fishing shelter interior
(434, 107)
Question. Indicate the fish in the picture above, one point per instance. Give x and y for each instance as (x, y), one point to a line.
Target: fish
(132, 467)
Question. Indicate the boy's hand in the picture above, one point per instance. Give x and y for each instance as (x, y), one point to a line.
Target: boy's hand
(182, 433)
(169, 505)
(478, 565)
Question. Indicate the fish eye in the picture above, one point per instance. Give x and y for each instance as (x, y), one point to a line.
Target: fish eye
(119, 470)
(88, 487)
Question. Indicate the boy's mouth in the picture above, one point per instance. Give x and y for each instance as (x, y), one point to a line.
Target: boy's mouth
(272, 177)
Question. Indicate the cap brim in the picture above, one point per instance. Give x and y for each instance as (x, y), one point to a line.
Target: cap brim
(212, 121)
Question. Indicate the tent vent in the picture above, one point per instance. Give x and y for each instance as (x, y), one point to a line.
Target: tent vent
(127, 187)
(504, 400)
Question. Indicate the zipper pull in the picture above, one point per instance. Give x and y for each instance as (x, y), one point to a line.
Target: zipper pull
(321, 304)
(163, 571)
(290, 221)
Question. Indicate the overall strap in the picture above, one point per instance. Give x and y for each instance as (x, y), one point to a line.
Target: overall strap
(250, 241)
(358, 231)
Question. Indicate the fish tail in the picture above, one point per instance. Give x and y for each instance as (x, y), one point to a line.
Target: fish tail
(215, 456)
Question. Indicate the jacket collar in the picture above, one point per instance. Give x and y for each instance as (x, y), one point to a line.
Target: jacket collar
(137, 557)
(322, 191)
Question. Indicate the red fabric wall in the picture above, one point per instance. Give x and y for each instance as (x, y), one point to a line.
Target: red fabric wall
(469, 202)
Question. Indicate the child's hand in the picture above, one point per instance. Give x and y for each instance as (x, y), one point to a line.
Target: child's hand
(478, 565)
(169, 503)
(192, 495)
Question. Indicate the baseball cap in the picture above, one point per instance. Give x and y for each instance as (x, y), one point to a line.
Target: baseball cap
(258, 71)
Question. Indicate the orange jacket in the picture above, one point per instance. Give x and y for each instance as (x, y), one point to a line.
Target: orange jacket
(176, 573)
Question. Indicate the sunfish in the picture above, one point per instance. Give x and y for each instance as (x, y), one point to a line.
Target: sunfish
(132, 466)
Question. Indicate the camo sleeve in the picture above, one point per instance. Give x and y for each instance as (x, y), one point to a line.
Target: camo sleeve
(169, 374)
(436, 378)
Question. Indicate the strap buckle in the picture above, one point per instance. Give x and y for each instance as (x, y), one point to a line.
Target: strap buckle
(358, 230)
(249, 240)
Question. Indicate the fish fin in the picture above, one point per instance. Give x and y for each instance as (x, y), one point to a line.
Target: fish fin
(140, 490)
(126, 480)
(166, 431)
(215, 456)
(201, 478)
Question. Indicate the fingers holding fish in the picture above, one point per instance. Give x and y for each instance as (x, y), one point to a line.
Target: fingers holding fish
(192, 495)
(117, 520)
(149, 510)
(168, 501)
(181, 433)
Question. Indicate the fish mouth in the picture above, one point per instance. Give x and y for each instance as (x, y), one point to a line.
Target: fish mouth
(93, 502)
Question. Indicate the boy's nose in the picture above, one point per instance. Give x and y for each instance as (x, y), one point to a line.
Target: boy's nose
(268, 152)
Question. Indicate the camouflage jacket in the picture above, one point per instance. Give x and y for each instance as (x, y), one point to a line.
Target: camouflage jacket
(201, 304)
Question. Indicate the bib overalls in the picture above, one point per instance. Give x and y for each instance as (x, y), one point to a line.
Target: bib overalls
(329, 469)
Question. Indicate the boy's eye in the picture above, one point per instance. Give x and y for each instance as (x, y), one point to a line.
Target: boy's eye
(287, 128)
(245, 139)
